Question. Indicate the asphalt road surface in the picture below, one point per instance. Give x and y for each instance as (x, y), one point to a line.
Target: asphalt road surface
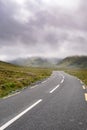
(58, 103)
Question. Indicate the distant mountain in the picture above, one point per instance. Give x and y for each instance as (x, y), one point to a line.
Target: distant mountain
(74, 62)
(36, 61)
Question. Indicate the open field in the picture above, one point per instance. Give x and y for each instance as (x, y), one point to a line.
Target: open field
(80, 73)
(13, 78)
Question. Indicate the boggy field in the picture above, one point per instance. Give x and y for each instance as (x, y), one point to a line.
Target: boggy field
(13, 78)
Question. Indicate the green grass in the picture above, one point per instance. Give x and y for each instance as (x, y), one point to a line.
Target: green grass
(13, 78)
(80, 73)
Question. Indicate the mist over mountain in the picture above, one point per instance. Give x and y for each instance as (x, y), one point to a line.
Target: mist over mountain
(36, 61)
(68, 62)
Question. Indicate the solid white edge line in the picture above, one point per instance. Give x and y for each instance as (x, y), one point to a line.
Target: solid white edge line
(81, 82)
(34, 86)
(54, 88)
(19, 115)
(83, 87)
(85, 96)
(11, 95)
(44, 81)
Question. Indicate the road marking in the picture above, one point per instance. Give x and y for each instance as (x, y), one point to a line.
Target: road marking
(34, 86)
(19, 115)
(44, 81)
(83, 87)
(11, 95)
(54, 88)
(86, 96)
(62, 81)
(81, 82)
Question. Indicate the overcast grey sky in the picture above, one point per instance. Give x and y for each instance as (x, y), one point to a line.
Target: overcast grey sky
(50, 28)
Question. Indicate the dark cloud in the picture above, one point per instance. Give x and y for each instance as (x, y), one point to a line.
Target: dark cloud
(34, 28)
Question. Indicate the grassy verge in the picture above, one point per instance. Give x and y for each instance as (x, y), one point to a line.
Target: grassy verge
(80, 73)
(13, 78)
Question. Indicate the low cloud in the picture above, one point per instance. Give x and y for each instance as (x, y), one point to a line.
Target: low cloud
(41, 28)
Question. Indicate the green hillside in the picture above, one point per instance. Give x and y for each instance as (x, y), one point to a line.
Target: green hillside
(13, 78)
(74, 62)
(75, 65)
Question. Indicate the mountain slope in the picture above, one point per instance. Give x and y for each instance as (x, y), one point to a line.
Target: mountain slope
(6, 65)
(74, 62)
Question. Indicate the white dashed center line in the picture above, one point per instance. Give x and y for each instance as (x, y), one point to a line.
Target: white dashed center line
(57, 85)
(20, 115)
(54, 88)
(62, 81)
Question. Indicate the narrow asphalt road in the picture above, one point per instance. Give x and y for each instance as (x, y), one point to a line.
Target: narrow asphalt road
(58, 103)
